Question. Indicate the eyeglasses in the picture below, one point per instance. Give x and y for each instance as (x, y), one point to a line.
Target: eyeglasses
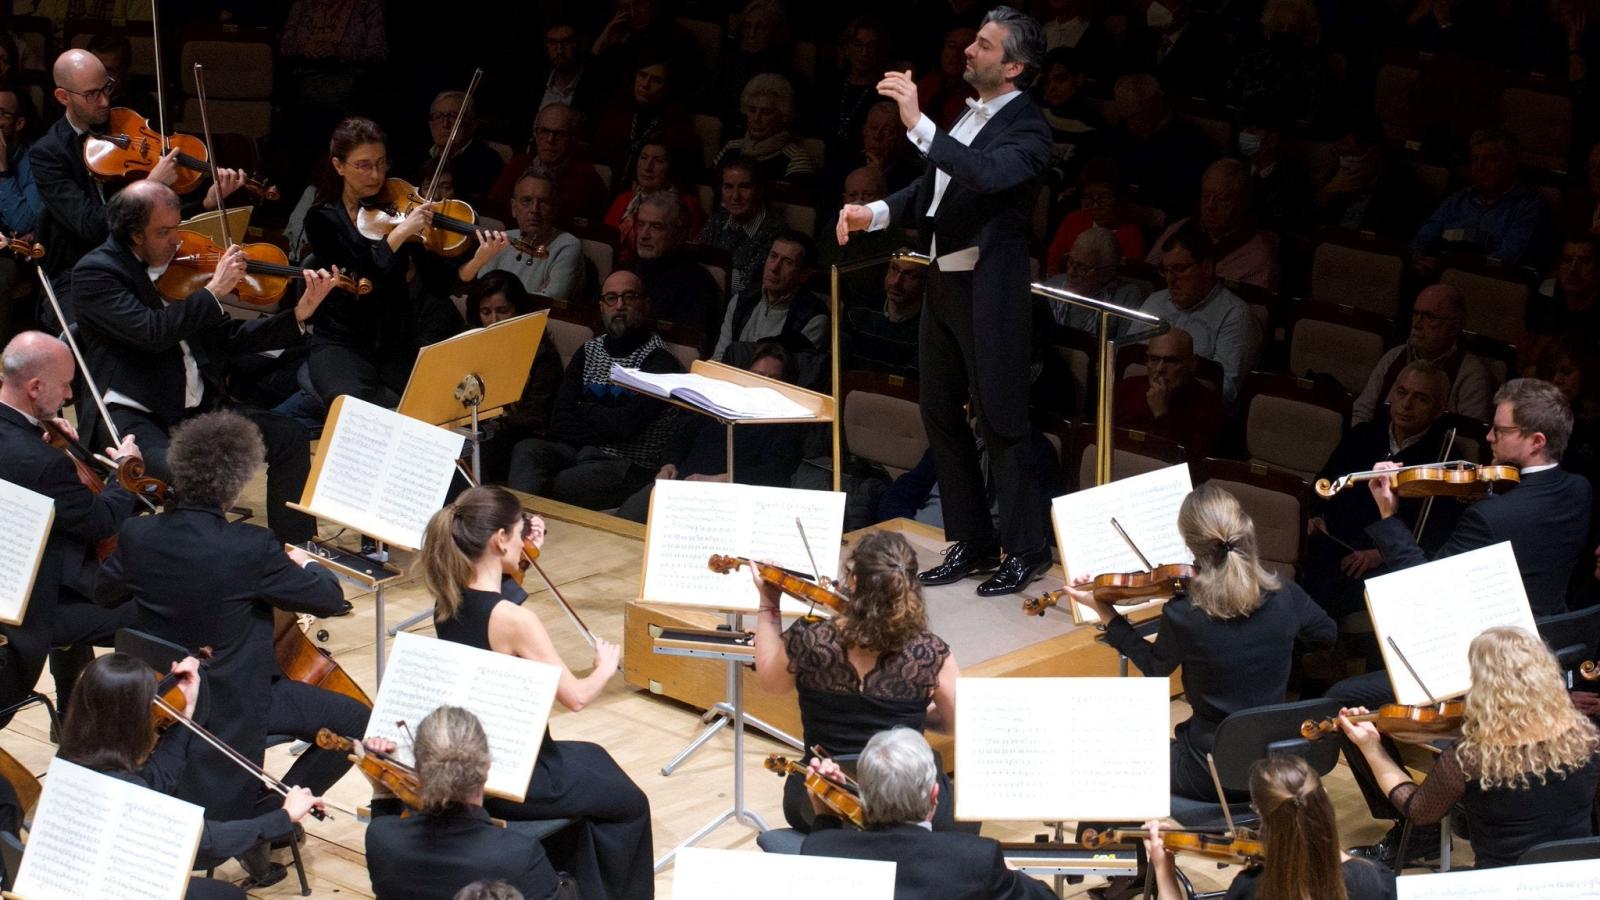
(632, 298)
(1501, 431)
(1422, 315)
(367, 166)
(95, 95)
(1176, 269)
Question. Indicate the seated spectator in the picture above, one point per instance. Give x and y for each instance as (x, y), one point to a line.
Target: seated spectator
(768, 455)
(844, 97)
(680, 289)
(1090, 269)
(1496, 214)
(1571, 362)
(1566, 300)
(604, 442)
(646, 27)
(115, 52)
(1371, 191)
(780, 306)
(1279, 188)
(474, 164)
(1243, 252)
(557, 272)
(1168, 401)
(860, 287)
(1580, 208)
(1195, 300)
(1290, 72)
(1161, 157)
(1072, 25)
(1451, 26)
(653, 170)
(1189, 57)
(763, 43)
(884, 338)
(1340, 554)
(1436, 325)
(883, 145)
(767, 105)
(943, 92)
(1100, 204)
(20, 203)
(568, 76)
(745, 225)
(580, 197)
(1075, 123)
(653, 111)
(495, 297)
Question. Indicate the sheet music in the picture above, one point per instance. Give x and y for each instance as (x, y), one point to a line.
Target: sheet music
(1146, 506)
(509, 695)
(705, 874)
(1433, 611)
(690, 521)
(25, 519)
(98, 836)
(1049, 749)
(1577, 880)
(382, 473)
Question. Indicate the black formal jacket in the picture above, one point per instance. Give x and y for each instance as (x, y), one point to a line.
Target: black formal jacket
(73, 221)
(1545, 517)
(994, 184)
(200, 580)
(930, 865)
(81, 519)
(1349, 512)
(431, 856)
(130, 336)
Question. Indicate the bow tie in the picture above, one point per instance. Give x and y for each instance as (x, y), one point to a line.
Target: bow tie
(978, 109)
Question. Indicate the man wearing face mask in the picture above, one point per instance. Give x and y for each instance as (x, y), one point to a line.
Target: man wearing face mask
(1280, 191)
(1188, 57)
(1369, 192)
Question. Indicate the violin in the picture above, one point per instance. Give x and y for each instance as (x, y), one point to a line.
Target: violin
(267, 272)
(1397, 718)
(87, 477)
(529, 248)
(844, 799)
(450, 231)
(305, 662)
(25, 249)
(783, 580)
(1122, 588)
(1590, 670)
(1459, 479)
(1243, 846)
(129, 147)
(398, 778)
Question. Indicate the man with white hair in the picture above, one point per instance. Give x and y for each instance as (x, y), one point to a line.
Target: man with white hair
(899, 790)
(1091, 271)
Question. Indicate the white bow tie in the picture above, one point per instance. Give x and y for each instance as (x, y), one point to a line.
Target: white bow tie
(978, 109)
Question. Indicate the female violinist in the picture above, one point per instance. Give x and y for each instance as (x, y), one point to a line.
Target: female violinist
(1300, 834)
(450, 841)
(1527, 766)
(469, 547)
(108, 727)
(1233, 632)
(863, 671)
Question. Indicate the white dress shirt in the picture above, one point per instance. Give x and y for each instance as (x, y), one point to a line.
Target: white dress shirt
(193, 388)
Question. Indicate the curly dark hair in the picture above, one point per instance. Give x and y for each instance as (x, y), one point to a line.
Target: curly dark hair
(213, 456)
(886, 607)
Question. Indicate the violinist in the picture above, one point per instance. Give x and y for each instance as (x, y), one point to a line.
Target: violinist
(449, 843)
(1526, 768)
(1233, 633)
(900, 789)
(468, 549)
(547, 260)
(108, 727)
(198, 580)
(1301, 835)
(35, 380)
(161, 362)
(871, 668)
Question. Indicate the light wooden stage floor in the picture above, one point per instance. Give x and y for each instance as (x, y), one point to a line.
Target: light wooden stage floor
(595, 560)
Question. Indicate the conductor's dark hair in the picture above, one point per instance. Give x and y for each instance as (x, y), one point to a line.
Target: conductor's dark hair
(213, 456)
(1024, 41)
(108, 725)
(128, 211)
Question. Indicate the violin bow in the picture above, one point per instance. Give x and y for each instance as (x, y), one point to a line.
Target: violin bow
(455, 129)
(1418, 678)
(161, 94)
(211, 156)
(1131, 545)
(1427, 505)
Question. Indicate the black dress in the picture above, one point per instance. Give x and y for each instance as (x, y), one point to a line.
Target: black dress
(1362, 881)
(610, 855)
(840, 711)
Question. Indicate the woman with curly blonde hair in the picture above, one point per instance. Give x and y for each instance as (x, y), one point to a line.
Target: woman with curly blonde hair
(871, 668)
(1527, 766)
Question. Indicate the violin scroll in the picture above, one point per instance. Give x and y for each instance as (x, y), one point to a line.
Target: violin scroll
(1035, 606)
(722, 565)
(1590, 670)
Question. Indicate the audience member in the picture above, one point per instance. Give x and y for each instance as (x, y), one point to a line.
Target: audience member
(1571, 362)
(1242, 251)
(943, 91)
(1279, 188)
(680, 289)
(653, 112)
(745, 225)
(1436, 326)
(1075, 122)
(1371, 191)
(547, 261)
(115, 52)
(644, 27)
(580, 197)
(1566, 300)
(780, 306)
(884, 338)
(1168, 401)
(1160, 155)
(568, 77)
(845, 96)
(1100, 204)
(475, 164)
(883, 146)
(860, 287)
(1196, 301)
(1090, 269)
(1451, 26)
(20, 203)
(1188, 56)
(1496, 214)
(767, 106)
(1290, 72)
(654, 170)
(1074, 25)
(763, 43)
(495, 297)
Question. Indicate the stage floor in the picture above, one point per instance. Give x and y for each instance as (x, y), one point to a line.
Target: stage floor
(596, 562)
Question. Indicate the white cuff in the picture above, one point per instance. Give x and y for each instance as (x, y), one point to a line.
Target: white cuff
(880, 215)
(922, 134)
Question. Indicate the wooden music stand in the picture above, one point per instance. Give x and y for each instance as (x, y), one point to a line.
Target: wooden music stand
(25, 526)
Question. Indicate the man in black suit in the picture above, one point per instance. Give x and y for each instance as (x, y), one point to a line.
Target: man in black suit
(971, 208)
(38, 371)
(899, 791)
(160, 363)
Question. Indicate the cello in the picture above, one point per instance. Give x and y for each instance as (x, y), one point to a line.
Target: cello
(305, 662)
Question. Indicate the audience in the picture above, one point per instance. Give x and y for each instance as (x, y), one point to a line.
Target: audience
(680, 289)
(1496, 214)
(1160, 155)
(1090, 270)
(546, 260)
(474, 164)
(762, 43)
(745, 225)
(569, 78)
(1566, 300)
(1100, 204)
(1195, 300)
(780, 306)
(1168, 401)
(653, 111)
(1290, 71)
(1189, 56)
(1243, 252)
(495, 297)
(1075, 122)
(942, 91)
(860, 286)
(654, 170)
(1371, 191)
(884, 338)
(767, 105)
(845, 96)
(1436, 326)
(1278, 185)
(580, 192)
(884, 147)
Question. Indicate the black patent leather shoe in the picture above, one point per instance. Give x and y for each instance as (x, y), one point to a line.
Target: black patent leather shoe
(962, 559)
(1017, 572)
(1422, 848)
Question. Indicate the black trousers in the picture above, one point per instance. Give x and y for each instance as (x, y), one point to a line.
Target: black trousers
(288, 463)
(337, 370)
(76, 628)
(1370, 690)
(949, 372)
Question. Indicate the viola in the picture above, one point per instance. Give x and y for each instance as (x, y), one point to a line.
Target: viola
(1459, 479)
(1122, 588)
(783, 580)
(1243, 846)
(267, 272)
(305, 662)
(129, 147)
(532, 250)
(398, 778)
(132, 477)
(1397, 718)
(25, 249)
(171, 702)
(1590, 670)
(844, 799)
(450, 231)
(87, 477)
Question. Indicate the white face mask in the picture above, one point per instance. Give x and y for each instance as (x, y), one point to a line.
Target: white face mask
(1158, 17)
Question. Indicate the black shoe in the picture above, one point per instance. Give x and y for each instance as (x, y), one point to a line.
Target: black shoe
(1017, 572)
(1422, 848)
(259, 868)
(962, 559)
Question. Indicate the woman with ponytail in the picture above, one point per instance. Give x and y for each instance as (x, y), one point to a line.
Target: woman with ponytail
(1301, 837)
(1233, 632)
(872, 668)
(450, 842)
(468, 549)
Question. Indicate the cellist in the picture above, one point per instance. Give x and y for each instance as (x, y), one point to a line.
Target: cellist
(196, 579)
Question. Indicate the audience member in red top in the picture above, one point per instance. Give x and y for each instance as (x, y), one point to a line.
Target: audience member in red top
(653, 111)
(654, 169)
(1101, 203)
(943, 90)
(580, 192)
(1168, 402)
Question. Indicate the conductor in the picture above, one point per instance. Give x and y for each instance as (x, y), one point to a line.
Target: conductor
(971, 208)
